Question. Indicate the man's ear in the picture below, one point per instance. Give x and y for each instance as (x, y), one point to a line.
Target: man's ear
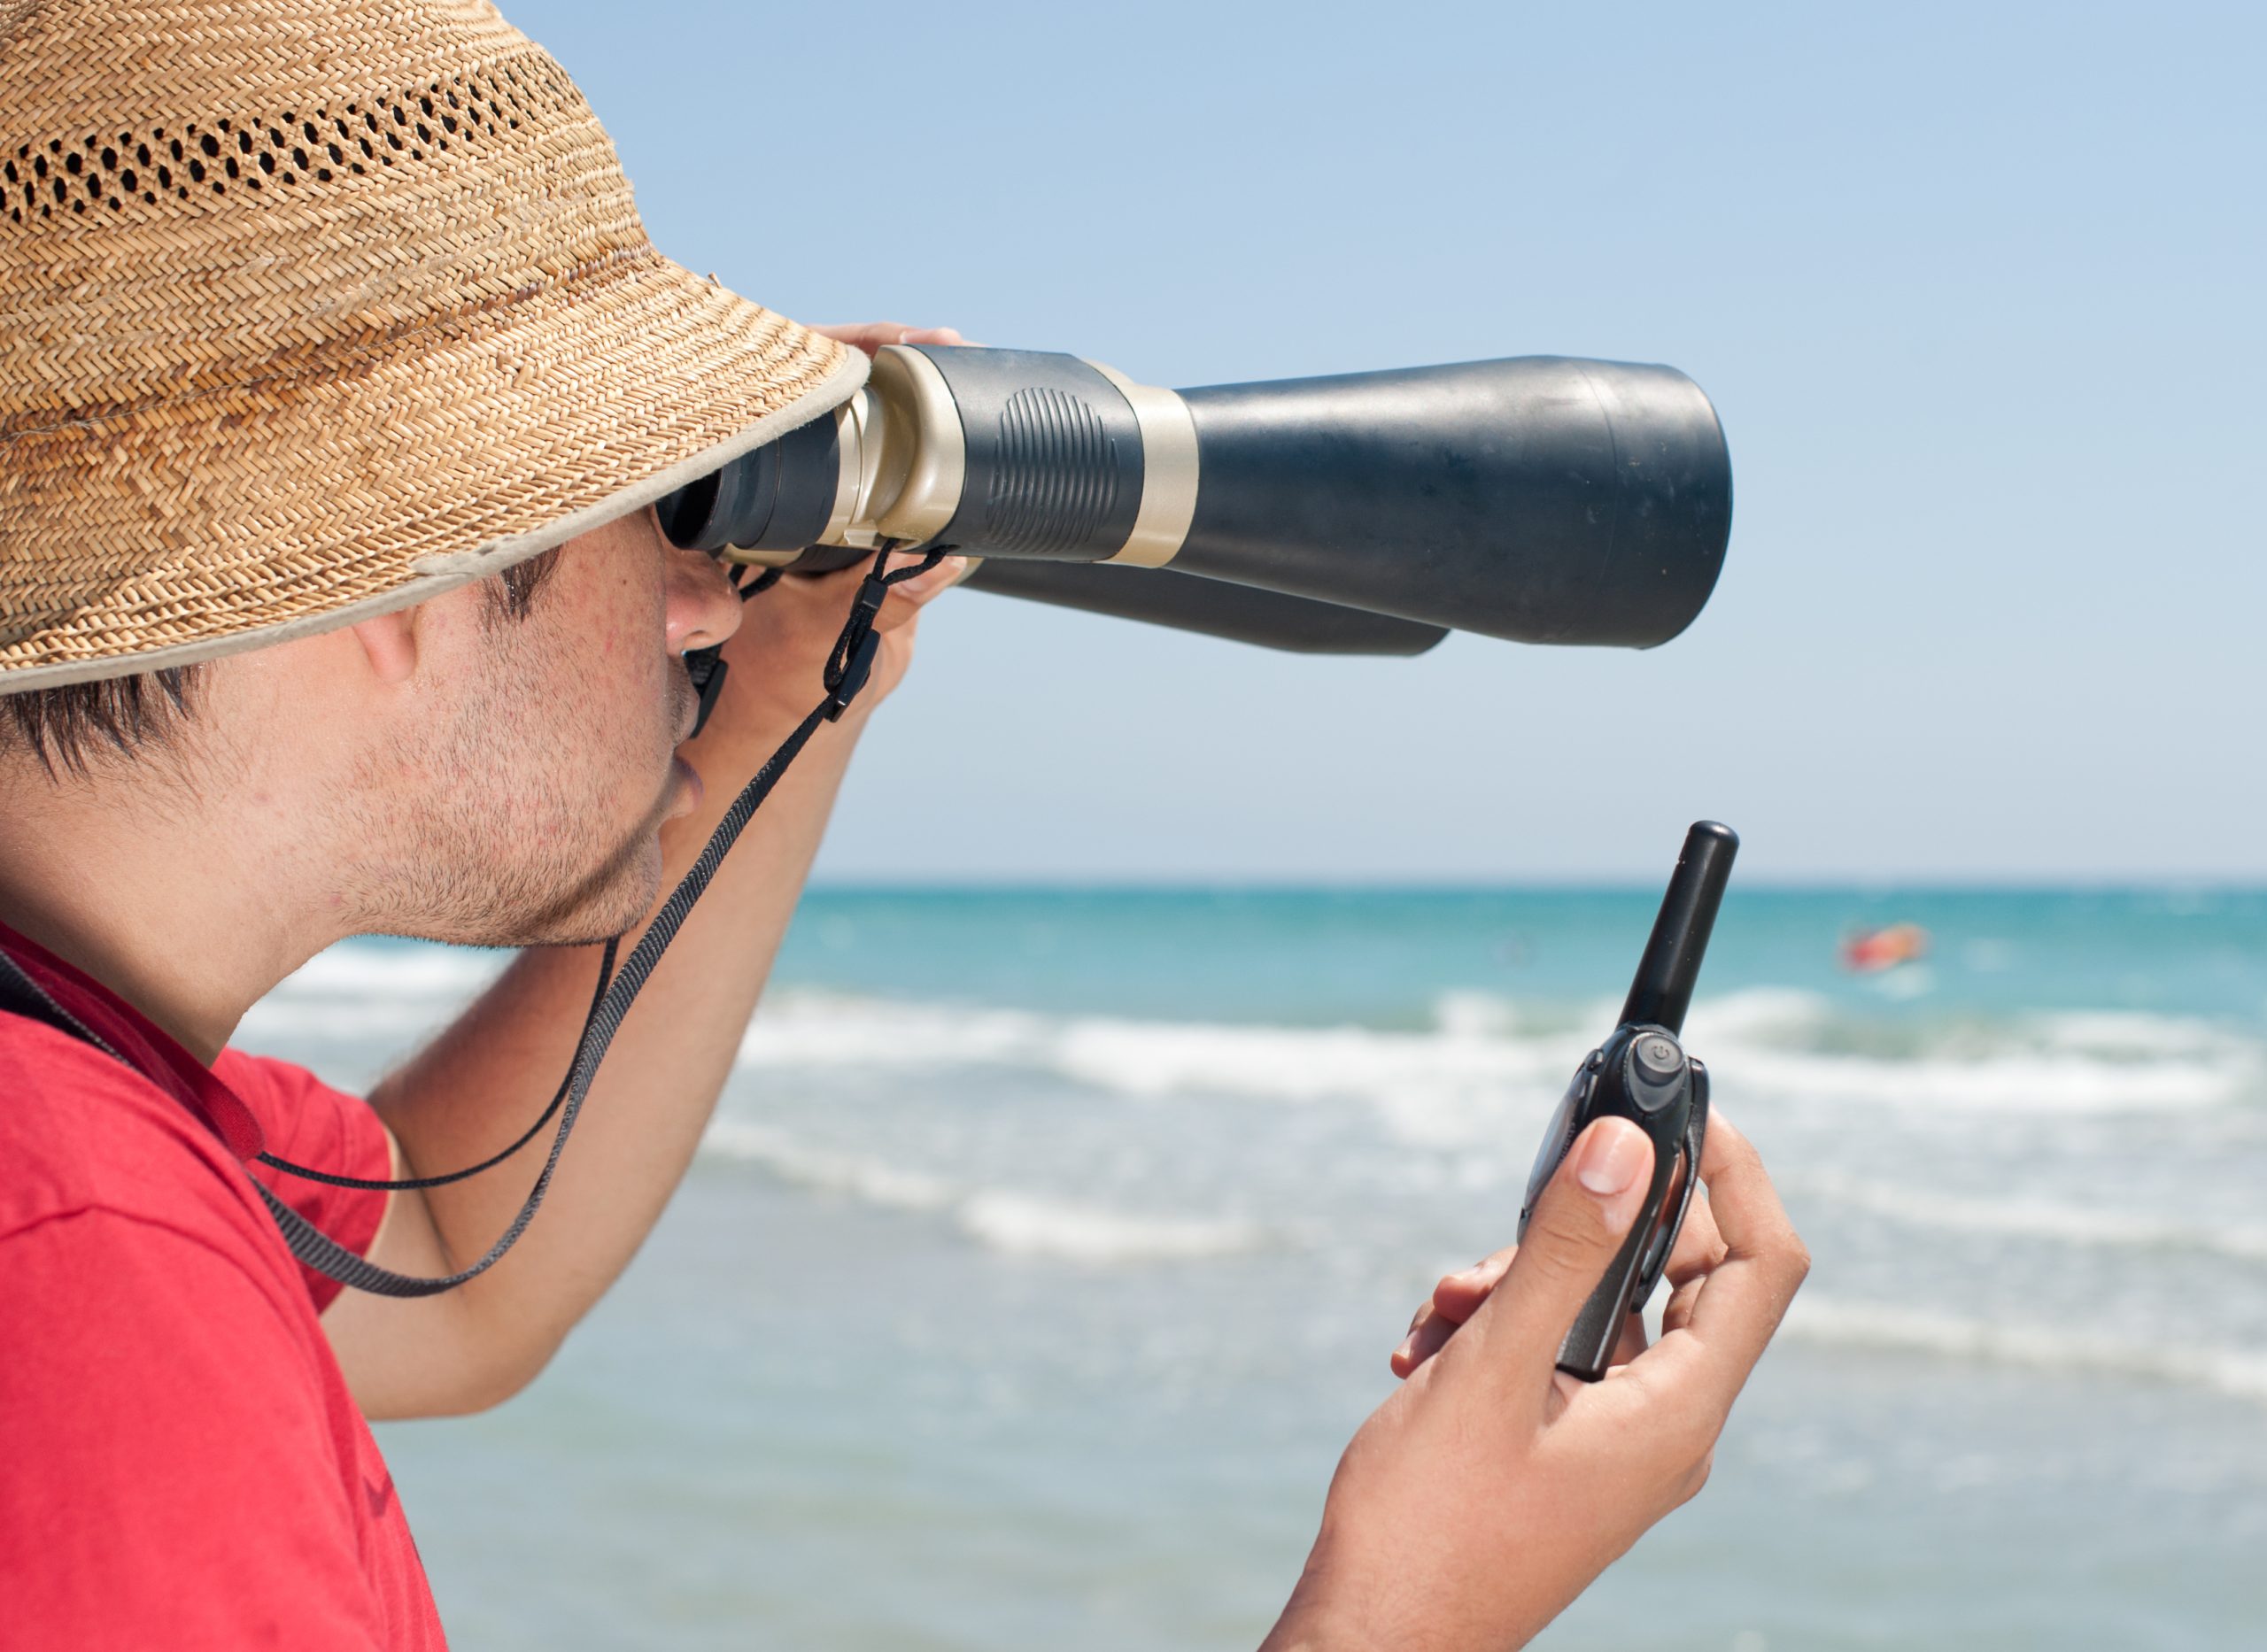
(390, 643)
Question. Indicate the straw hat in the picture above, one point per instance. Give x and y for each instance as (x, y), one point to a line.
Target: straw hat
(312, 309)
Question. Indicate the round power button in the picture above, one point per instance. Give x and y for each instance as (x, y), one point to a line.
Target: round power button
(1659, 1059)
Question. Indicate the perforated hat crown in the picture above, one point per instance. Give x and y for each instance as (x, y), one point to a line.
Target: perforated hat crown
(310, 309)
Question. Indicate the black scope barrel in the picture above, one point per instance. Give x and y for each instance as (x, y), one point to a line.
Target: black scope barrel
(1670, 969)
(1538, 500)
(1239, 613)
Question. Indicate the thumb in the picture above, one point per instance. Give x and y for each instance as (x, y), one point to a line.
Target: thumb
(1579, 1223)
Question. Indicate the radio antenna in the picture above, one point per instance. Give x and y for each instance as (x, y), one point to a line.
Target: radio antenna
(1671, 966)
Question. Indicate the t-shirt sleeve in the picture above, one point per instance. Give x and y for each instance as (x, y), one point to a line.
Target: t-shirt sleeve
(170, 1475)
(308, 1122)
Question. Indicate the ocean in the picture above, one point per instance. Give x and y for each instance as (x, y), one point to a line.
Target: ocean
(1050, 1244)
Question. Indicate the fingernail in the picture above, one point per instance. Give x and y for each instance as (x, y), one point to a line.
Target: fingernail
(1611, 1157)
(1407, 1347)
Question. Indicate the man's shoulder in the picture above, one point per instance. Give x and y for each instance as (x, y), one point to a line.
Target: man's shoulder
(80, 1129)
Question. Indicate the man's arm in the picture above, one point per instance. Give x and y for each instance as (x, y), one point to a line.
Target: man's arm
(491, 1073)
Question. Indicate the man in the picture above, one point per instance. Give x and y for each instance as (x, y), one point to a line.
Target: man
(336, 378)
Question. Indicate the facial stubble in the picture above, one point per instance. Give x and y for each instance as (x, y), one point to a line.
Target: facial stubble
(520, 863)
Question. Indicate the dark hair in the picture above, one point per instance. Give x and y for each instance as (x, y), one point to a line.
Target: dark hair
(65, 728)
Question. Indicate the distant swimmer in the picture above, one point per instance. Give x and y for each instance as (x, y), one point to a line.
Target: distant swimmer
(1869, 952)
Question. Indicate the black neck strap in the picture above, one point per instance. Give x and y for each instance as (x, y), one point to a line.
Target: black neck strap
(327, 1257)
(20, 995)
(848, 668)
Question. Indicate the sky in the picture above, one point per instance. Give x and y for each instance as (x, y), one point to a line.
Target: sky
(1979, 292)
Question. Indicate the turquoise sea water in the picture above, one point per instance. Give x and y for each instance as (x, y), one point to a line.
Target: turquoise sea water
(1048, 1246)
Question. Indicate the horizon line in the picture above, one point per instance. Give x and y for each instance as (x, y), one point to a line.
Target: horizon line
(1940, 883)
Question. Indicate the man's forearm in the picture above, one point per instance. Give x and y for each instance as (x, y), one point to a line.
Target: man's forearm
(489, 1075)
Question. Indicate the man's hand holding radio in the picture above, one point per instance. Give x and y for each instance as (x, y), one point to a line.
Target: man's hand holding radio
(1489, 1491)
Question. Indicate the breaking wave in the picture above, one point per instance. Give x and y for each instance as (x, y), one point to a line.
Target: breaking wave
(2021, 1219)
(2237, 1373)
(1478, 1051)
(365, 990)
(1014, 1223)
(1479, 1056)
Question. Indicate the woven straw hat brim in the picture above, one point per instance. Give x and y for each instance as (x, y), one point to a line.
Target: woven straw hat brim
(313, 309)
(307, 501)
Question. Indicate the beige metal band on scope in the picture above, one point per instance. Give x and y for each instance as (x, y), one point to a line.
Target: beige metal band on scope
(850, 421)
(1168, 472)
(922, 466)
(904, 460)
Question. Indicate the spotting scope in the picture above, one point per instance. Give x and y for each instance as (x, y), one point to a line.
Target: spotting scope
(1540, 499)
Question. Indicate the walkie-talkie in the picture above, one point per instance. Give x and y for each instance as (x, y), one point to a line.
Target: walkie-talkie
(1643, 1074)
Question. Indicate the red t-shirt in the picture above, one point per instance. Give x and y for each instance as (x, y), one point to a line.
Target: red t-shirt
(181, 1464)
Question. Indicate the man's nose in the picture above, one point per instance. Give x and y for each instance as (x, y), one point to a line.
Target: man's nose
(703, 609)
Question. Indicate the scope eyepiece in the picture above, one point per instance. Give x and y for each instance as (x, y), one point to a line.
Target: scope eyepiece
(776, 497)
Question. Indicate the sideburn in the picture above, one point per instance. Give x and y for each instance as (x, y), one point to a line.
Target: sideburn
(511, 594)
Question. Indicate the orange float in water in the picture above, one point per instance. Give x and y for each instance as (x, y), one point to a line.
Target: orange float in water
(1869, 952)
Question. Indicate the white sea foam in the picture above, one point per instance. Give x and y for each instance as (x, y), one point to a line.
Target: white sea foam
(804, 1029)
(365, 993)
(1134, 1058)
(866, 1180)
(2126, 1035)
(2238, 1373)
(1015, 1224)
(2068, 1224)
(1485, 1058)
(1781, 1044)
(1762, 1014)
(1443, 1082)
(2042, 1083)
(1430, 1086)
(365, 971)
(1022, 1225)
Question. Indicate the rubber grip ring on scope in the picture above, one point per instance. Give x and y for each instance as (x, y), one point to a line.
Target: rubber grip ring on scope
(1054, 459)
(1056, 477)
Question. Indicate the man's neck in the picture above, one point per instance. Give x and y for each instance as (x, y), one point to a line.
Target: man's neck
(173, 897)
